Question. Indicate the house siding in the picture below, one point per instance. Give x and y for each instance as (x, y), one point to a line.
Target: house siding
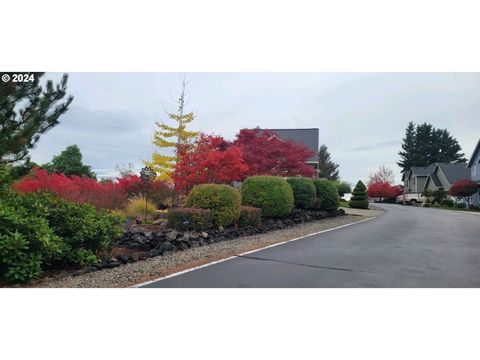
(475, 171)
(421, 180)
(442, 179)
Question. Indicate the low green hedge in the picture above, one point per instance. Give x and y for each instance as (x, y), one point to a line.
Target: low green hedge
(327, 195)
(224, 201)
(304, 192)
(189, 219)
(272, 194)
(250, 216)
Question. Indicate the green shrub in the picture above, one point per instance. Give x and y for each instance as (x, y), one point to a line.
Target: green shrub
(250, 216)
(436, 205)
(189, 219)
(304, 193)
(447, 202)
(272, 194)
(327, 195)
(38, 231)
(80, 225)
(224, 201)
(359, 199)
(427, 204)
(460, 206)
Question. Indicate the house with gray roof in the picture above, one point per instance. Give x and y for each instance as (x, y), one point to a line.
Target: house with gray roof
(437, 176)
(306, 137)
(445, 174)
(474, 166)
(415, 178)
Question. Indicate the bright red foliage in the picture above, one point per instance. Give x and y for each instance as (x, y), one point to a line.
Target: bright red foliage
(106, 194)
(267, 154)
(133, 185)
(210, 160)
(384, 190)
(464, 188)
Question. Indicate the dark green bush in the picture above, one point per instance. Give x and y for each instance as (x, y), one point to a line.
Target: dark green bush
(40, 231)
(460, 205)
(447, 202)
(224, 201)
(304, 193)
(189, 219)
(359, 197)
(80, 225)
(427, 204)
(250, 216)
(272, 194)
(327, 195)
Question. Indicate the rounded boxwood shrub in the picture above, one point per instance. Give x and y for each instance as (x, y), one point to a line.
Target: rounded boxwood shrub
(189, 219)
(304, 192)
(250, 216)
(272, 194)
(359, 199)
(224, 201)
(327, 195)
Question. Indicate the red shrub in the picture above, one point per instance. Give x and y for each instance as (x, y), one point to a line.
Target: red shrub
(384, 190)
(106, 194)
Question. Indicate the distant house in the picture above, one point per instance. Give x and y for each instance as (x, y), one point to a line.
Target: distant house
(474, 166)
(445, 174)
(415, 178)
(438, 176)
(306, 137)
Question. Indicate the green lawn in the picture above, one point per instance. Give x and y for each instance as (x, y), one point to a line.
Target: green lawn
(344, 204)
(456, 209)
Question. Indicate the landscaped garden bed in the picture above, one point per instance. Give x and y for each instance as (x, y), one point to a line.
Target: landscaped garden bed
(79, 239)
(141, 243)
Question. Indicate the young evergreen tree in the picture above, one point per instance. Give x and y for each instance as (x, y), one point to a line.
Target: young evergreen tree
(27, 110)
(359, 199)
(69, 162)
(327, 169)
(424, 145)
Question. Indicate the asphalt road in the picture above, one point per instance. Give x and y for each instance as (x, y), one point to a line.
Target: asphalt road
(404, 247)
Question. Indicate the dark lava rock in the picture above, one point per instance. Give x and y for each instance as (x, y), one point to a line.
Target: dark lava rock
(123, 258)
(113, 264)
(172, 235)
(165, 246)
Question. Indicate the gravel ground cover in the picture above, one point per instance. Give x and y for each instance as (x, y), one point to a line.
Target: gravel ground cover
(152, 268)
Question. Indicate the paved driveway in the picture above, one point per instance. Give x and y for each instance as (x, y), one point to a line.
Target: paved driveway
(404, 247)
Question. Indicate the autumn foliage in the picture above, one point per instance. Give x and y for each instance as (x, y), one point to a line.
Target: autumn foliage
(107, 194)
(464, 188)
(210, 160)
(383, 190)
(267, 154)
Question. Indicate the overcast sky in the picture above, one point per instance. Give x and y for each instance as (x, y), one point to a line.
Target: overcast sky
(361, 116)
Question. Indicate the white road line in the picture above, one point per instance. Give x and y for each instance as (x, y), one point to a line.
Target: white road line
(245, 253)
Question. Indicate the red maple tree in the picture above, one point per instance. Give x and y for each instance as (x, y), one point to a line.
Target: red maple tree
(267, 154)
(384, 190)
(159, 191)
(464, 188)
(211, 159)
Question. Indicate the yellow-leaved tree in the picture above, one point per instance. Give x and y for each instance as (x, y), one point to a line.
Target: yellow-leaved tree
(171, 137)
